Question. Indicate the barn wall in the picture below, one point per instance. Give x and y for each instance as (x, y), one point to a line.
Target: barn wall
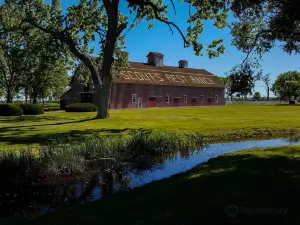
(121, 95)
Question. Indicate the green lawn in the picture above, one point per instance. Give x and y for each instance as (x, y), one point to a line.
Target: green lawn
(247, 119)
(263, 184)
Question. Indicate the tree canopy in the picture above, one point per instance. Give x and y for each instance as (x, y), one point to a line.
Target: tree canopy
(29, 59)
(256, 96)
(242, 78)
(287, 85)
(261, 23)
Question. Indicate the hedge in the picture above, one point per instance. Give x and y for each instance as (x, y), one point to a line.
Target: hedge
(32, 109)
(10, 110)
(81, 107)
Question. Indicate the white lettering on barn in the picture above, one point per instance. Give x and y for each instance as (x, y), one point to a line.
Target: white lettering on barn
(159, 78)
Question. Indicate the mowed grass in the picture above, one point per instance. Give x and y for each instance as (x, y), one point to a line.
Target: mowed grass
(255, 186)
(16, 131)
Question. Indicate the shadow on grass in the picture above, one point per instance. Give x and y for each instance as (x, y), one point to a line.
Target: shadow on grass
(15, 138)
(8, 129)
(231, 189)
(15, 119)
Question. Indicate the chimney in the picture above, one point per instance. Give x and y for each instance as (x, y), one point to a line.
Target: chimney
(155, 59)
(183, 64)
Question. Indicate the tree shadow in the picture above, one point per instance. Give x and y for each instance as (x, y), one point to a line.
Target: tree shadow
(15, 138)
(33, 118)
(7, 129)
(231, 189)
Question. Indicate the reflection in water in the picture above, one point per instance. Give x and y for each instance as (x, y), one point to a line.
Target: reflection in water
(42, 198)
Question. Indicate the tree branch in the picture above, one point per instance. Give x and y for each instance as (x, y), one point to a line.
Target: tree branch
(156, 11)
(65, 38)
(257, 36)
(173, 6)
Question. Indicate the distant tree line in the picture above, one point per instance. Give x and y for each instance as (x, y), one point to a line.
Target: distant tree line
(240, 83)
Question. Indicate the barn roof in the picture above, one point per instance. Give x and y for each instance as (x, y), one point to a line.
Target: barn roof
(156, 54)
(143, 73)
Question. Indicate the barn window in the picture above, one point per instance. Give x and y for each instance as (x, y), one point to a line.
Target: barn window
(201, 98)
(167, 98)
(133, 98)
(217, 98)
(185, 99)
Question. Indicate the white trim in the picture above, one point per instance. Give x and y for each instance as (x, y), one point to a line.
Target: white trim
(185, 98)
(133, 98)
(217, 98)
(167, 98)
(194, 97)
(140, 103)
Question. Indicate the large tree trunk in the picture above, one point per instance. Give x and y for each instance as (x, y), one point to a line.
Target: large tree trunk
(9, 96)
(268, 93)
(112, 34)
(104, 98)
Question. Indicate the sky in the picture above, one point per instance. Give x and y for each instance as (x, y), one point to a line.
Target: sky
(140, 41)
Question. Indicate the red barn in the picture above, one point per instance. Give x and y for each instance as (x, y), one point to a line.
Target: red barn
(152, 84)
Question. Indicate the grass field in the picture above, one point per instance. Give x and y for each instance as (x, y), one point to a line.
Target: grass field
(262, 184)
(235, 119)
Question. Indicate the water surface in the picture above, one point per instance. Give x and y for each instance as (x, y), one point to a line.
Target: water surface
(43, 198)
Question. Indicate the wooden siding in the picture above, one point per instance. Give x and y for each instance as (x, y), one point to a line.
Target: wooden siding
(121, 96)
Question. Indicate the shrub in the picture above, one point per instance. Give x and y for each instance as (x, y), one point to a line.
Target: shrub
(32, 109)
(10, 110)
(81, 107)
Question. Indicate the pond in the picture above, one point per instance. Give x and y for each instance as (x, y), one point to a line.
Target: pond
(42, 198)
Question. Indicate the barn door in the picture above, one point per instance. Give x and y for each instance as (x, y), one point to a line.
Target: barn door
(194, 102)
(151, 102)
(210, 101)
(176, 102)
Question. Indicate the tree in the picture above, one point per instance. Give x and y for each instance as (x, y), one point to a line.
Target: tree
(287, 85)
(242, 78)
(256, 96)
(261, 23)
(12, 54)
(46, 80)
(267, 81)
(1, 92)
(81, 23)
(46, 71)
(28, 57)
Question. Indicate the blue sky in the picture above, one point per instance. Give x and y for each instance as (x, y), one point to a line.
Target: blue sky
(140, 41)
